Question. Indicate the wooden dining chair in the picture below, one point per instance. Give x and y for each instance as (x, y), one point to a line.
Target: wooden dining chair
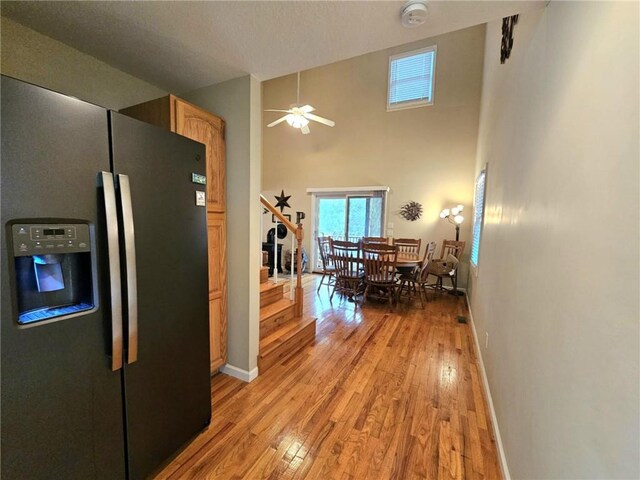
(447, 265)
(408, 245)
(375, 240)
(380, 271)
(348, 273)
(417, 282)
(328, 269)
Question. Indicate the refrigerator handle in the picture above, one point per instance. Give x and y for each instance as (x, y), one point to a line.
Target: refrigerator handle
(130, 260)
(111, 214)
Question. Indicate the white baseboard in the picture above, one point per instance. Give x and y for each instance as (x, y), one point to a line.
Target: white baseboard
(239, 373)
(492, 411)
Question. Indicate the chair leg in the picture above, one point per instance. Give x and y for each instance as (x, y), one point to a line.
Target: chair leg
(364, 295)
(352, 290)
(412, 286)
(335, 285)
(321, 280)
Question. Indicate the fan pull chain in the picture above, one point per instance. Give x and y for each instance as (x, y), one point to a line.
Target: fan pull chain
(298, 95)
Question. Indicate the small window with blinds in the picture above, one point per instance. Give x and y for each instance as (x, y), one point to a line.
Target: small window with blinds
(411, 78)
(478, 216)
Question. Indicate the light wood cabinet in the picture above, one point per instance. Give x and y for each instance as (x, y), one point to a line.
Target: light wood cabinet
(217, 240)
(179, 116)
(195, 123)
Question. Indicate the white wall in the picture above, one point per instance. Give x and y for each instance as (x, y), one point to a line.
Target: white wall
(423, 154)
(35, 58)
(558, 282)
(238, 102)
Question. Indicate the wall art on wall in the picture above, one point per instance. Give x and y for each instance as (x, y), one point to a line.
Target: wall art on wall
(300, 216)
(507, 37)
(282, 201)
(411, 211)
(285, 215)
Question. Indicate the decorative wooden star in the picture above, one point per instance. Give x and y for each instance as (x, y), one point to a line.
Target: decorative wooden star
(282, 201)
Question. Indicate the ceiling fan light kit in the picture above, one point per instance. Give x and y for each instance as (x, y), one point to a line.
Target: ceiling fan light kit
(296, 120)
(413, 13)
(298, 116)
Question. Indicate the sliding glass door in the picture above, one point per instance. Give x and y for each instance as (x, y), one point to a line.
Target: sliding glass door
(364, 217)
(345, 216)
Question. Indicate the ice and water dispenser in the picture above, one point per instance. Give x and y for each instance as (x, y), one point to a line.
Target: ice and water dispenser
(54, 269)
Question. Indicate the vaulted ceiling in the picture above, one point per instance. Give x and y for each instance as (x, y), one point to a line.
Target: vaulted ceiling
(180, 46)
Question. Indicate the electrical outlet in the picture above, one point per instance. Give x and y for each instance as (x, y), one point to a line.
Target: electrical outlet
(486, 339)
(390, 225)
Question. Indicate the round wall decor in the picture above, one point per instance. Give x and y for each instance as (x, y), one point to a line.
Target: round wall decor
(411, 211)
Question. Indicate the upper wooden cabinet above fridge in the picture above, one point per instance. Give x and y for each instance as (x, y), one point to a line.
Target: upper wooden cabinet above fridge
(179, 116)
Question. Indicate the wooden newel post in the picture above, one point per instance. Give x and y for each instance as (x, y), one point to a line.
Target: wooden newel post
(299, 294)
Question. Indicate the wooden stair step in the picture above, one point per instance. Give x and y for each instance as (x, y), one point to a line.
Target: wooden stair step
(276, 308)
(264, 274)
(270, 293)
(275, 315)
(286, 341)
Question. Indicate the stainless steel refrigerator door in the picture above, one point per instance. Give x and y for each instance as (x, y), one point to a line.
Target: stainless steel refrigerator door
(61, 403)
(167, 388)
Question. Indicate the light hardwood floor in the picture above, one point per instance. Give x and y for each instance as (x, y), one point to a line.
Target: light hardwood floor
(380, 395)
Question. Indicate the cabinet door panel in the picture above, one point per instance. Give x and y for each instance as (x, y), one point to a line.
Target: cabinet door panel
(215, 334)
(217, 235)
(206, 128)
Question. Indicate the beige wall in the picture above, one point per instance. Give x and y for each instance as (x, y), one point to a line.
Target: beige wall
(424, 154)
(557, 288)
(238, 102)
(27, 55)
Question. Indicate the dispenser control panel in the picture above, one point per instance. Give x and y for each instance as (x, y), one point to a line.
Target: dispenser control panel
(42, 239)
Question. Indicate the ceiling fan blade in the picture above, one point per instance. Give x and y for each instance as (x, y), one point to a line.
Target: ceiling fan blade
(271, 110)
(324, 121)
(305, 129)
(307, 109)
(280, 120)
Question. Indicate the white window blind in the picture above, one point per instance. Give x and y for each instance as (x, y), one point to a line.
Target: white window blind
(411, 76)
(478, 216)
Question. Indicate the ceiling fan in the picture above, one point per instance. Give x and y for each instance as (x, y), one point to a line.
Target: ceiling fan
(298, 116)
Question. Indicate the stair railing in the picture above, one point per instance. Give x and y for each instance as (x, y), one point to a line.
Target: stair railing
(299, 236)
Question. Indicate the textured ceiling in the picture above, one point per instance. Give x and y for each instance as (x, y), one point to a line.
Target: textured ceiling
(180, 46)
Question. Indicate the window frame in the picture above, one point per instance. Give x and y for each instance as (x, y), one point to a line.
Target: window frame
(413, 103)
(476, 265)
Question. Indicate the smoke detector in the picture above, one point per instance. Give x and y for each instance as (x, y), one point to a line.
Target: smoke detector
(413, 13)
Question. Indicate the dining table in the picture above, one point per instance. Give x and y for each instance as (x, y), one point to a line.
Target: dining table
(406, 262)
(407, 259)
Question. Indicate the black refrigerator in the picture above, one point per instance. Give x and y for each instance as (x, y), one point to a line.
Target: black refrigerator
(104, 334)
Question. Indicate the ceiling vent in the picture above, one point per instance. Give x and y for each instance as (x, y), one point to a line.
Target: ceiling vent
(413, 13)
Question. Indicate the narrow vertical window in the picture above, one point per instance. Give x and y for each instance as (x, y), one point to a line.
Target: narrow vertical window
(411, 77)
(478, 216)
